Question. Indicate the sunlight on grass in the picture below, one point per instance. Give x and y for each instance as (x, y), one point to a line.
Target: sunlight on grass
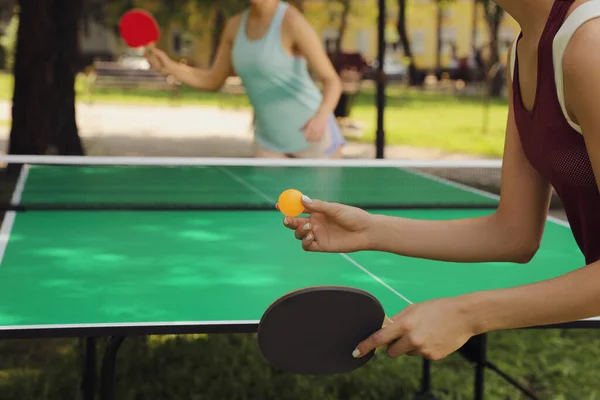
(8, 374)
(6, 86)
(445, 122)
(156, 340)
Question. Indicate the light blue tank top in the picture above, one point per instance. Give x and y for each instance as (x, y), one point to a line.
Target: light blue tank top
(278, 85)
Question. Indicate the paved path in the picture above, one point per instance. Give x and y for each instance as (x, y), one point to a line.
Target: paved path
(182, 130)
(190, 131)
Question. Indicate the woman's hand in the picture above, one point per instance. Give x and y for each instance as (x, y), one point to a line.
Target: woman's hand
(432, 329)
(315, 128)
(331, 227)
(159, 61)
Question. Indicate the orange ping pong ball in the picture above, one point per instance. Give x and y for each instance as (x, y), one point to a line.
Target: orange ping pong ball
(290, 203)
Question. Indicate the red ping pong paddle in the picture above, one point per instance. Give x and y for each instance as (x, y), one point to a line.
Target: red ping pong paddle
(138, 28)
(315, 330)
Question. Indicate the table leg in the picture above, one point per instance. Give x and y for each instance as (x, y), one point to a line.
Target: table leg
(426, 377)
(107, 375)
(88, 356)
(475, 351)
(480, 363)
(425, 392)
(510, 380)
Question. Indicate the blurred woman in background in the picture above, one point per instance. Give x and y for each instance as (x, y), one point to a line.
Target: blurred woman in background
(270, 46)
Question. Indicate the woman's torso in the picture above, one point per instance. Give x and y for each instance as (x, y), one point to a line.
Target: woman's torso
(551, 142)
(277, 82)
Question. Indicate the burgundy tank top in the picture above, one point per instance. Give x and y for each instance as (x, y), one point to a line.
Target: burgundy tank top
(554, 148)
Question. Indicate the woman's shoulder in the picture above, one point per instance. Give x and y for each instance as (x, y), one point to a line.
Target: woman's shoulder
(236, 19)
(293, 19)
(292, 14)
(232, 25)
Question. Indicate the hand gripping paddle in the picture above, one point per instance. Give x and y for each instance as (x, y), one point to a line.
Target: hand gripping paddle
(315, 330)
(138, 28)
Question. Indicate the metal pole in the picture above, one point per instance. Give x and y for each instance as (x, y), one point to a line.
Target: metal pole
(380, 81)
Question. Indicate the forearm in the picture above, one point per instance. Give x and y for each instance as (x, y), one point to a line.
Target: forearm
(332, 90)
(202, 79)
(569, 297)
(482, 239)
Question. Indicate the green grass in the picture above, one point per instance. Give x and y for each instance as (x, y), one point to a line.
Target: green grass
(433, 120)
(188, 96)
(412, 118)
(555, 364)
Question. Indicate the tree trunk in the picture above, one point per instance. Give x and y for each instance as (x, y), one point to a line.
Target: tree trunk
(403, 34)
(438, 53)
(493, 27)
(494, 75)
(474, 25)
(46, 63)
(401, 28)
(219, 25)
(31, 96)
(67, 64)
(341, 31)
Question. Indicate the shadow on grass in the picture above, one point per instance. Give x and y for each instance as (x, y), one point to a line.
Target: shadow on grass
(550, 362)
(168, 146)
(186, 96)
(195, 367)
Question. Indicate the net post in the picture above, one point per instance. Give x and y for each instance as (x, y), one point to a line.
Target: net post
(380, 81)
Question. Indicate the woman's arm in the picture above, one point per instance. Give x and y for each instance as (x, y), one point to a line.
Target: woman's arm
(436, 328)
(512, 233)
(307, 42)
(569, 297)
(575, 295)
(209, 79)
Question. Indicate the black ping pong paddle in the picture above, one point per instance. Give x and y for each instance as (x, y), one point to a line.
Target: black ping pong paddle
(315, 330)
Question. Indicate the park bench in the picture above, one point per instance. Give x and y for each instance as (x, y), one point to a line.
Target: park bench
(114, 75)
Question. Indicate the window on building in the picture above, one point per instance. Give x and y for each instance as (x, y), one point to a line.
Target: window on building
(181, 43)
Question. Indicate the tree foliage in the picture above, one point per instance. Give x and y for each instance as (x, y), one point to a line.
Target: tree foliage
(227, 7)
(181, 12)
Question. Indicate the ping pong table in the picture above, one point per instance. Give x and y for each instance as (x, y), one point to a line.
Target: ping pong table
(114, 250)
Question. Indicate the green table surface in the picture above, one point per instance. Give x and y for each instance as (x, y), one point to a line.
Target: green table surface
(78, 268)
(236, 185)
(212, 270)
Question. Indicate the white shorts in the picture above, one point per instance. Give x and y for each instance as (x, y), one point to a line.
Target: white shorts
(329, 145)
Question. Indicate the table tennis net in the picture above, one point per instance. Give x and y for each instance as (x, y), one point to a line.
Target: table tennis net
(121, 183)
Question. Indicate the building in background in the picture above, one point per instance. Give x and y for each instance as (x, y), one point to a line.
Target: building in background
(462, 30)
(195, 44)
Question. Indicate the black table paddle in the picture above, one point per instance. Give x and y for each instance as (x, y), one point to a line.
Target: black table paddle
(315, 330)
